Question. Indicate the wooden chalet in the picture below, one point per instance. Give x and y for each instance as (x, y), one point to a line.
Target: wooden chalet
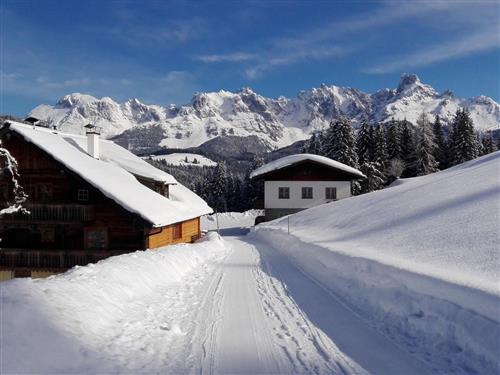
(297, 182)
(88, 199)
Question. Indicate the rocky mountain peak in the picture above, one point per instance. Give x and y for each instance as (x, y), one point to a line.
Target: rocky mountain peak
(277, 122)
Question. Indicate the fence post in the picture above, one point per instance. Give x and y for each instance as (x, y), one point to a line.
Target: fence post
(288, 224)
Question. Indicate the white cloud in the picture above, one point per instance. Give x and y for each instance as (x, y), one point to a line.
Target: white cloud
(229, 57)
(312, 53)
(329, 41)
(465, 46)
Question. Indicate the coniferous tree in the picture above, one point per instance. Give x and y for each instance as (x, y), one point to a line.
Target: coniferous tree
(488, 146)
(14, 197)
(441, 150)
(364, 143)
(314, 144)
(425, 149)
(380, 154)
(340, 144)
(374, 180)
(464, 144)
(394, 140)
(216, 187)
(254, 189)
(408, 149)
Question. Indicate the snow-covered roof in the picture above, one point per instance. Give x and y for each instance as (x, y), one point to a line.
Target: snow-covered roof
(113, 175)
(299, 158)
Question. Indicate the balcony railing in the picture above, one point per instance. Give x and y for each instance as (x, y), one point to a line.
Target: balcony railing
(50, 259)
(57, 212)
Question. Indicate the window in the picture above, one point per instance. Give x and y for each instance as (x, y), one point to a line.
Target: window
(307, 193)
(96, 238)
(284, 193)
(331, 193)
(83, 195)
(177, 231)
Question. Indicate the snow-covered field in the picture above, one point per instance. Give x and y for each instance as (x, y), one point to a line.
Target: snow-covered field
(419, 261)
(400, 281)
(180, 159)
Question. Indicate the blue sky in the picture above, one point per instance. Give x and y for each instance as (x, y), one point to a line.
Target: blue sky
(163, 51)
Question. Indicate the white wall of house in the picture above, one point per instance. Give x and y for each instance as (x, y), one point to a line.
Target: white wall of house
(271, 190)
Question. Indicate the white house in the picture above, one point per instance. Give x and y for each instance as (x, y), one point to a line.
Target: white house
(301, 181)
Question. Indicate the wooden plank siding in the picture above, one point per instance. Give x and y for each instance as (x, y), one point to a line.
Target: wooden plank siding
(64, 229)
(158, 237)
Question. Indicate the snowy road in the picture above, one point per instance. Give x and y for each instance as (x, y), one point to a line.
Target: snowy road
(260, 314)
(215, 307)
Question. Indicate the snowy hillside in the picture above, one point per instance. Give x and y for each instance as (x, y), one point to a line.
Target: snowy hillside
(419, 259)
(181, 158)
(278, 122)
(444, 225)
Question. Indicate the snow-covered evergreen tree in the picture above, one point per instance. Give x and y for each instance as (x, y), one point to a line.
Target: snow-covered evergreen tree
(14, 196)
(425, 149)
(464, 143)
(394, 140)
(340, 144)
(488, 146)
(441, 150)
(253, 189)
(314, 144)
(217, 188)
(364, 143)
(380, 154)
(408, 148)
(374, 180)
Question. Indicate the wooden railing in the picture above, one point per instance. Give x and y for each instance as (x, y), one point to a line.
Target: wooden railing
(57, 212)
(50, 259)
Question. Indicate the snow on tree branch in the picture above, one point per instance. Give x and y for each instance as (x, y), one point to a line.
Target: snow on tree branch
(13, 197)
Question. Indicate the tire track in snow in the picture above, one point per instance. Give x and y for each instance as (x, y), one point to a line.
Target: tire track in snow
(261, 329)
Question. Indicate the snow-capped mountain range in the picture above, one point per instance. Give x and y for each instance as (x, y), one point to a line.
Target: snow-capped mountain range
(278, 122)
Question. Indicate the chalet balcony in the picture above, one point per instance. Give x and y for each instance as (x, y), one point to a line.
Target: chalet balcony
(50, 259)
(57, 212)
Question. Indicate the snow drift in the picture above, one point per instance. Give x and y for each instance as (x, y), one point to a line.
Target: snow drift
(65, 323)
(419, 260)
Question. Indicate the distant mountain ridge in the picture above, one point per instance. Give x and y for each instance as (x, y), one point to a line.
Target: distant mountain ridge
(276, 122)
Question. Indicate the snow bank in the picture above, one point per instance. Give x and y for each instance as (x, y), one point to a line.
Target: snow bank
(56, 325)
(437, 321)
(419, 260)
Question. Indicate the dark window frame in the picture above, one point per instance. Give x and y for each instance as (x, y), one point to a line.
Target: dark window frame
(328, 193)
(307, 192)
(283, 192)
(83, 195)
